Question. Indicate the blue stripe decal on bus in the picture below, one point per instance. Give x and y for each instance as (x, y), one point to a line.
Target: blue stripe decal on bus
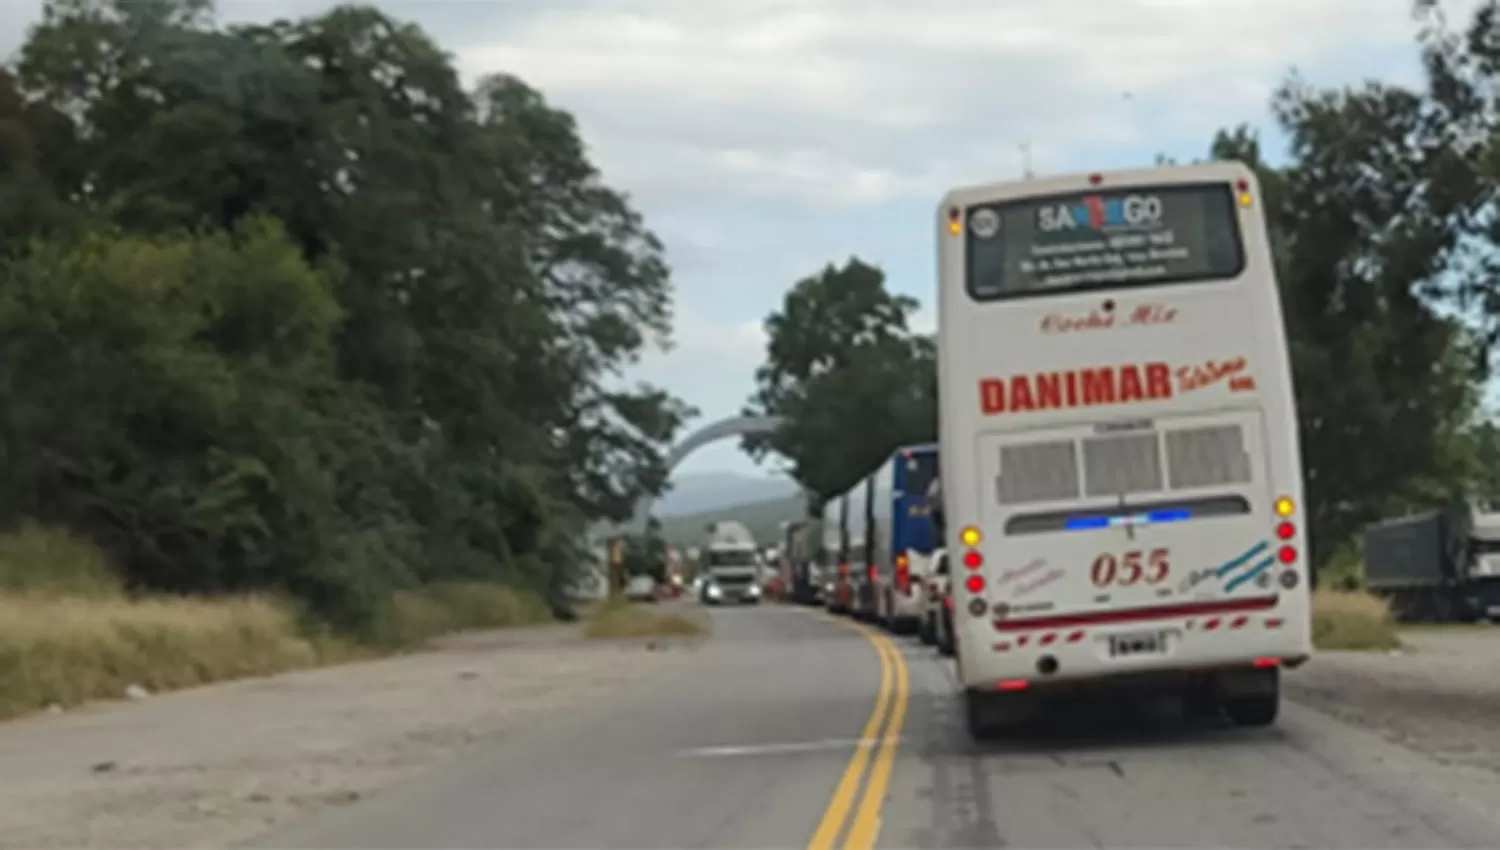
(1235, 564)
(1251, 573)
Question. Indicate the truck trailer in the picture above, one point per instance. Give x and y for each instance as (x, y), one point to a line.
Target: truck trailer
(1436, 566)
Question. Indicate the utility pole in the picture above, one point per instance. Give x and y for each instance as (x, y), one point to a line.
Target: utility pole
(1026, 159)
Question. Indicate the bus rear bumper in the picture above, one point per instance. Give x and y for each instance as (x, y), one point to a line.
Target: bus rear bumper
(1087, 665)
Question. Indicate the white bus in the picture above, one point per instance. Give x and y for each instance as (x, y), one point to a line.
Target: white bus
(1120, 467)
(838, 588)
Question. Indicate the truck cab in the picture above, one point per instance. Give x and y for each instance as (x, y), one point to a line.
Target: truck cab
(731, 562)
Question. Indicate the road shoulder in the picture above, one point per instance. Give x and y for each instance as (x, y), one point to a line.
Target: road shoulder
(216, 765)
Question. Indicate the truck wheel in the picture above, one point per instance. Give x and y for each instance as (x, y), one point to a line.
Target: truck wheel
(1257, 710)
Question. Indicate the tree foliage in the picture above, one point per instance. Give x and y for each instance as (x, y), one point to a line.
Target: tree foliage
(289, 307)
(851, 378)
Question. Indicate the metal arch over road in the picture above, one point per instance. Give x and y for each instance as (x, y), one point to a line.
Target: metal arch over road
(734, 426)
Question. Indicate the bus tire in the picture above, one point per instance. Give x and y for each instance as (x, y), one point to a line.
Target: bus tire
(989, 716)
(1256, 710)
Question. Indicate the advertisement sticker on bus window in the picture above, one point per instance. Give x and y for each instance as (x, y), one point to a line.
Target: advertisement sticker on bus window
(1100, 239)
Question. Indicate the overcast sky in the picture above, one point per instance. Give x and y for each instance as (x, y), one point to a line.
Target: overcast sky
(764, 138)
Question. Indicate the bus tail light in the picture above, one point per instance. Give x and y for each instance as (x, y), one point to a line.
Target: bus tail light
(970, 536)
(955, 220)
(1285, 530)
(1285, 506)
(973, 560)
(903, 573)
(1286, 554)
(975, 583)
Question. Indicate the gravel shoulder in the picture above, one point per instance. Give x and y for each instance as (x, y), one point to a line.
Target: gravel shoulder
(216, 765)
(1440, 695)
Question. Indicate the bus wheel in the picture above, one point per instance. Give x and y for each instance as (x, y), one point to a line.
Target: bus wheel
(989, 715)
(1257, 710)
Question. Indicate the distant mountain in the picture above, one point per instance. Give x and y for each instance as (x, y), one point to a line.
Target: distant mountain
(705, 492)
(764, 520)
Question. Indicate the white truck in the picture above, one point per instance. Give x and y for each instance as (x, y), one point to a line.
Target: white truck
(730, 562)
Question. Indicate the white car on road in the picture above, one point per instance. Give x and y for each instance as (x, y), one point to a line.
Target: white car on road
(934, 587)
(641, 589)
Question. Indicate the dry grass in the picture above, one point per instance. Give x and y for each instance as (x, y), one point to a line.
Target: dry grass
(1352, 620)
(69, 634)
(71, 650)
(626, 620)
(415, 617)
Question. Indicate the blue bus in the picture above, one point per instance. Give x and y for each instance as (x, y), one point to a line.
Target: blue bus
(915, 469)
(900, 525)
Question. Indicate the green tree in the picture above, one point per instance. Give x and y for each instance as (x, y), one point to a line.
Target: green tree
(1361, 221)
(488, 287)
(851, 379)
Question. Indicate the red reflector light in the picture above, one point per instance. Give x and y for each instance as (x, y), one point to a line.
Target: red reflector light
(1096, 179)
(973, 560)
(1286, 554)
(1012, 685)
(1286, 530)
(974, 583)
(1267, 662)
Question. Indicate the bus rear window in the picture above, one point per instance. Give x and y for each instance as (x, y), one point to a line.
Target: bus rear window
(1103, 240)
(921, 468)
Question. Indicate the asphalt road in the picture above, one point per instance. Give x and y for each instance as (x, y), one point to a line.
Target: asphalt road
(755, 743)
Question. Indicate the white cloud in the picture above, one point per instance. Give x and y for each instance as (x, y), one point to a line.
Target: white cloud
(700, 339)
(830, 103)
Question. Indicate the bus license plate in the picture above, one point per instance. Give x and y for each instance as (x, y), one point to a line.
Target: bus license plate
(1137, 643)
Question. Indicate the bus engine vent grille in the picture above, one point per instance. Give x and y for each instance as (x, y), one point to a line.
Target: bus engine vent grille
(1123, 464)
(1038, 472)
(1207, 457)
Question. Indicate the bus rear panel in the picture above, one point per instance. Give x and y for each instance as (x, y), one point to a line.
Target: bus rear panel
(1120, 463)
(911, 470)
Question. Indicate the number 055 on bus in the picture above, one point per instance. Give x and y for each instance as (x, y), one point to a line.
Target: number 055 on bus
(1119, 456)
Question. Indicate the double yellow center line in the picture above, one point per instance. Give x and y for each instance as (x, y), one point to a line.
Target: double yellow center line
(881, 736)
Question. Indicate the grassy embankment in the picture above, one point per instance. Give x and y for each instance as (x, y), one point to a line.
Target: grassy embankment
(70, 634)
(626, 620)
(1352, 619)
